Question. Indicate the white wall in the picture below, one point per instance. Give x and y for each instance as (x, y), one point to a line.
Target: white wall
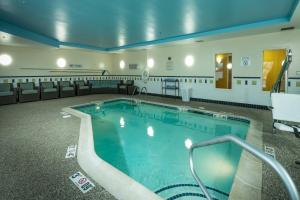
(200, 77)
(135, 57)
(45, 58)
(204, 54)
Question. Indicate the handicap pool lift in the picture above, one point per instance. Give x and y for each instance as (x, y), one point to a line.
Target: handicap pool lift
(285, 107)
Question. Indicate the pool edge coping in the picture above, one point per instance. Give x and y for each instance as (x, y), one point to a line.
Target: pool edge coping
(136, 190)
(119, 185)
(247, 184)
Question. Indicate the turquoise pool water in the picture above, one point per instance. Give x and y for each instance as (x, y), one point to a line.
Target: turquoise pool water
(150, 144)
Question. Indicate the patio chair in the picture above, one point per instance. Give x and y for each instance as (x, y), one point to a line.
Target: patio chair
(104, 86)
(28, 92)
(124, 86)
(8, 94)
(48, 90)
(81, 88)
(66, 89)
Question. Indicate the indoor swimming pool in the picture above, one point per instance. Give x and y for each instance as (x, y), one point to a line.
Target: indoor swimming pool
(150, 143)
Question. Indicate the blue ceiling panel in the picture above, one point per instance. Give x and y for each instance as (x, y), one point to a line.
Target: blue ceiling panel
(117, 24)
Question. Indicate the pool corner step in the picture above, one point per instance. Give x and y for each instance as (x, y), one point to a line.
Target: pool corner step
(188, 191)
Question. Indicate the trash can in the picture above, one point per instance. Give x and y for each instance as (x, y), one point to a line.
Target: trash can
(186, 94)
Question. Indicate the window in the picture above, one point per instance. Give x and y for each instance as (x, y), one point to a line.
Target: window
(223, 71)
(272, 64)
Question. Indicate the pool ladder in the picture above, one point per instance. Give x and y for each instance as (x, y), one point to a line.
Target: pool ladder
(285, 177)
(135, 89)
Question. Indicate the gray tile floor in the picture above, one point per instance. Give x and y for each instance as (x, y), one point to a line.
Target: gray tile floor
(34, 138)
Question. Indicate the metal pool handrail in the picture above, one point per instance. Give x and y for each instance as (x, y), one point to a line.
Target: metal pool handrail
(285, 177)
(135, 89)
(143, 88)
(133, 93)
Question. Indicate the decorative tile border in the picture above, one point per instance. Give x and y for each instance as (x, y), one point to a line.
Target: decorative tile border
(186, 79)
(261, 107)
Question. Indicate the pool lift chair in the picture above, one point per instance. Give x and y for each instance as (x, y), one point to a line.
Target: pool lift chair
(285, 107)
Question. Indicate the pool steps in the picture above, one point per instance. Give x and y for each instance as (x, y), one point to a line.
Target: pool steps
(188, 191)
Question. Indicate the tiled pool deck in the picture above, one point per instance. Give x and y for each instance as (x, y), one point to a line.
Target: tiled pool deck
(34, 139)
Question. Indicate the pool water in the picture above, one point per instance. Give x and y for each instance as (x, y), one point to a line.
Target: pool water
(150, 143)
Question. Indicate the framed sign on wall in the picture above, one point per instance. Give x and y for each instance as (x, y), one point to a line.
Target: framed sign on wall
(169, 64)
(133, 66)
(245, 61)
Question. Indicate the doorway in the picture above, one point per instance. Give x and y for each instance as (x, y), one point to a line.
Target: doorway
(223, 70)
(272, 64)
